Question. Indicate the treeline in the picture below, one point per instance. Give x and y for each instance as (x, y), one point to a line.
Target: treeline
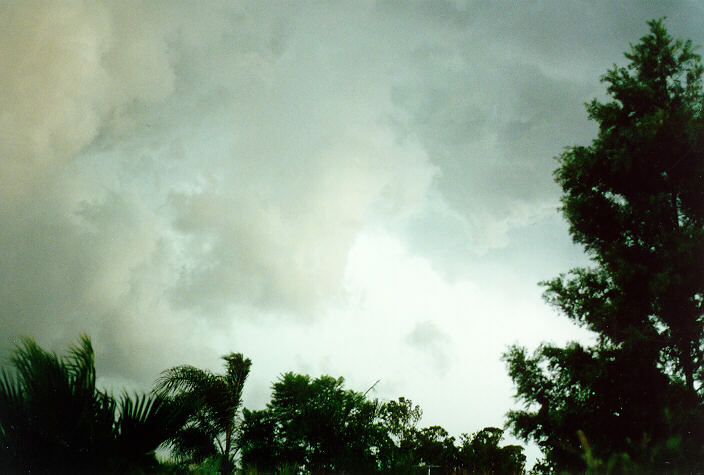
(319, 425)
(53, 417)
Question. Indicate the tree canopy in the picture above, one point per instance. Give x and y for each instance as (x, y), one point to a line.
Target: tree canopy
(634, 198)
(313, 423)
(316, 425)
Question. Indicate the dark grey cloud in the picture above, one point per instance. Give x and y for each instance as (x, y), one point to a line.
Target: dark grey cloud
(499, 92)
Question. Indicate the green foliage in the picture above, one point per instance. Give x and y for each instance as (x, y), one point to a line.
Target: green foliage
(608, 394)
(261, 450)
(315, 424)
(399, 419)
(53, 417)
(481, 453)
(212, 403)
(433, 446)
(634, 199)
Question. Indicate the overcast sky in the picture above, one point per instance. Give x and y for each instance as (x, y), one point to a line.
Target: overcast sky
(354, 188)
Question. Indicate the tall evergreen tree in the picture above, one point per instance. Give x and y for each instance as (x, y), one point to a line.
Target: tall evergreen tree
(634, 199)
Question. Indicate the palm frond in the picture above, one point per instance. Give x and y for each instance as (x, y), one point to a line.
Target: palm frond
(183, 378)
(212, 402)
(13, 414)
(29, 358)
(53, 410)
(52, 416)
(193, 443)
(81, 362)
(145, 423)
(237, 371)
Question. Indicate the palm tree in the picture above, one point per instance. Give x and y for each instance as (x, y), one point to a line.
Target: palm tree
(212, 402)
(53, 416)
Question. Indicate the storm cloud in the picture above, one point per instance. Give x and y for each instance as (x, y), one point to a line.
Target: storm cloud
(360, 188)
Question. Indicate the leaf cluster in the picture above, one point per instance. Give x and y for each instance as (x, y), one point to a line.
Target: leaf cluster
(54, 417)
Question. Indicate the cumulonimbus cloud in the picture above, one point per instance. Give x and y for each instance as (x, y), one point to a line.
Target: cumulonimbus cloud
(167, 169)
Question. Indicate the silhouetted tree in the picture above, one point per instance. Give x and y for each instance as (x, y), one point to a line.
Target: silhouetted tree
(433, 446)
(480, 453)
(261, 449)
(634, 199)
(399, 419)
(54, 418)
(212, 402)
(314, 424)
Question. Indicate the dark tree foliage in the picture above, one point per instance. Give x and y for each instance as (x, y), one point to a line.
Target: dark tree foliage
(399, 419)
(415, 450)
(318, 426)
(634, 199)
(212, 403)
(261, 449)
(480, 453)
(313, 424)
(54, 418)
(433, 446)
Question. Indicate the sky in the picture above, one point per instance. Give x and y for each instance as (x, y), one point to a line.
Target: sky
(355, 188)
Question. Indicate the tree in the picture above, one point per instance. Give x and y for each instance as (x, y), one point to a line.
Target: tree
(313, 424)
(433, 446)
(480, 453)
(399, 419)
(634, 199)
(213, 402)
(54, 418)
(261, 449)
